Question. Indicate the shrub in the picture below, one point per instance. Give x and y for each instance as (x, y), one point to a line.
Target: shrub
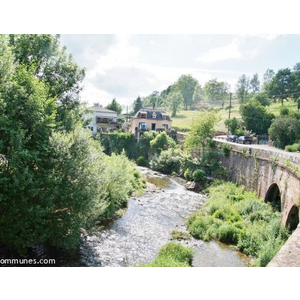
(236, 216)
(179, 235)
(292, 148)
(172, 255)
(199, 175)
(142, 161)
(167, 162)
(187, 174)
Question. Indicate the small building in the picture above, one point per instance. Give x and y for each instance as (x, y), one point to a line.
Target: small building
(102, 119)
(150, 119)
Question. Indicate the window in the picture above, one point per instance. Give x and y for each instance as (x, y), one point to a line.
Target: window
(154, 115)
(153, 126)
(142, 125)
(165, 126)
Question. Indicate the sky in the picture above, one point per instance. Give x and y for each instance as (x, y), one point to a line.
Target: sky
(125, 66)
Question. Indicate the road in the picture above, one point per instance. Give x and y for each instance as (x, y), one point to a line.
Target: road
(263, 147)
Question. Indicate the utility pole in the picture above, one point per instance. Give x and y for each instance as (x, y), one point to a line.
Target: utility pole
(230, 105)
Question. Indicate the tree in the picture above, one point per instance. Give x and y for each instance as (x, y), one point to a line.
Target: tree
(285, 130)
(233, 125)
(242, 88)
(137, 104)
(186, 85)
(115, 106)
(201, 134)
(216, 91)
(174, 102)
(255, 117)
(42, 56)
(262, 98)
(281, 85)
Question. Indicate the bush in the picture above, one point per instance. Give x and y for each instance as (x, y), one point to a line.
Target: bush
(199, 175)
(236, 216)
(187, 174)
(173, 255)
(142, 161)
(167, 162)
(292, 148)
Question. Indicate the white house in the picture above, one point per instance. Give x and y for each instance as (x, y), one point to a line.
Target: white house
(102, 119)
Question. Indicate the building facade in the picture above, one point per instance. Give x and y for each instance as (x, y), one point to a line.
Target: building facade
(102, 119)
(150, 119)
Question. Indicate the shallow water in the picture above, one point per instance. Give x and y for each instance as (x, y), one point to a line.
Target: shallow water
(136, 237)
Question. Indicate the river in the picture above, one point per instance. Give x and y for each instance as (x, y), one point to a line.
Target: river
(135, 238)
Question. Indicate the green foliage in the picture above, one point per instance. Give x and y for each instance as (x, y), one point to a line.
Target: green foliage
(162, 142)
(233, 125)
(292, 148)
(142, 161)
(236, 216)
(137, 104)
(115, 106)
(167, 162)
(187, 174)
(255, 117)
(285, 131)
(226, 150)
(174, 102)
(201, 133)
(261, 98)
(186, 85)
(216, 91)
(179, 235)
(173, 255)
(54, 177)
(199, 175)
(41, 56)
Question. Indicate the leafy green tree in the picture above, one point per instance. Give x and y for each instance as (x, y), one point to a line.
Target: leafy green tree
(186, 84)
(43, 57)
(285, 130)
(137, 104)
(174, 102)
(233, 125)
(255, 117)
(216, 91)
(262, 98)
(162, 142)
(281, 85)
(115, 106)
(201, 134)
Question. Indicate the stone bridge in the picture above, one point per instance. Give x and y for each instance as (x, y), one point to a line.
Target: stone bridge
(275, 176)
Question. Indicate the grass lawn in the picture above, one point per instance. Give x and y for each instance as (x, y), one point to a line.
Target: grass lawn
(185, 119)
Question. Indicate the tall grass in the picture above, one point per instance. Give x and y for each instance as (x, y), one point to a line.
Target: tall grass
(172, 255)
(236, 216)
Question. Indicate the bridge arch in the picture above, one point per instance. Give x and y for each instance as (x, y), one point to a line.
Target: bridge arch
(273, 196)
(292, 220)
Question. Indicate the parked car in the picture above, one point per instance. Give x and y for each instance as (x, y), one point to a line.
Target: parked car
(245, 140)
(232, 138)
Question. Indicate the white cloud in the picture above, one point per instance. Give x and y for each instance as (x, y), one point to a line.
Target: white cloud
(230, 51)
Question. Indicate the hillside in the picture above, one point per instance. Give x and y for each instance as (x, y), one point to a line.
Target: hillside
(185, 119)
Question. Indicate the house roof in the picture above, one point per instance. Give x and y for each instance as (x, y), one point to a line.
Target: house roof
(155, 114)
(101, 109)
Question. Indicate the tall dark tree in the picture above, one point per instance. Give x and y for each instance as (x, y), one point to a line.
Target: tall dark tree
(115, 106)
(137, 104)
(255, 117)
(281, 85)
